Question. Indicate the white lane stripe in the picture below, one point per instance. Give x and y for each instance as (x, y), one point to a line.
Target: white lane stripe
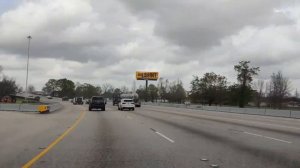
(167, 138)
(162, 135)
(238, 120)
(267, 137)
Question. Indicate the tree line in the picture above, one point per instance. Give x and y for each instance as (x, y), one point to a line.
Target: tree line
(215, 89)
(67, 88)
(165, 91)
(210, 89)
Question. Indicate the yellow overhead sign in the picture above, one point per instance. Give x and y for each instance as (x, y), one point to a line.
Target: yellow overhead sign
(146, 75)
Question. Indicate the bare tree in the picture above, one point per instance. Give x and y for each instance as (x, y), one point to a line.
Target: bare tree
(106, 87)
(107, 90)
(124, 89)
(133, 87)
(1, 69)
(295, 98)
(278, 89)
(259, 86)
(161, 89)
(296, 94)
(31, 88)
(20, 89)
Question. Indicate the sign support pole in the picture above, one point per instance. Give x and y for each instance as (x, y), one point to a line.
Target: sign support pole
(146, 96)
(140, 75)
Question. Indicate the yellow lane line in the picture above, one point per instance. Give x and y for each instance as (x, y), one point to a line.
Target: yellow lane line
(55, 142)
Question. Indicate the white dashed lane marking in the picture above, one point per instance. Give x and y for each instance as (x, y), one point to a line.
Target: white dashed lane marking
(162, 135)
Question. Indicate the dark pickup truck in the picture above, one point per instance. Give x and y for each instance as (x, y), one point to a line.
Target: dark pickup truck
(97, 102)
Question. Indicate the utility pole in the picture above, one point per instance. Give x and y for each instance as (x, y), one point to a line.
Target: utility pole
(26, 87)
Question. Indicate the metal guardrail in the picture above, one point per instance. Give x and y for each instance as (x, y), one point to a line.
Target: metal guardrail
(251, 111)
(27, 107)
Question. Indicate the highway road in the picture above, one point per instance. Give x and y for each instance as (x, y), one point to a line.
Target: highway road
(149, 137)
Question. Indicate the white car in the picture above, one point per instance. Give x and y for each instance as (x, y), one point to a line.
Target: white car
(49, 97)
(126, 104)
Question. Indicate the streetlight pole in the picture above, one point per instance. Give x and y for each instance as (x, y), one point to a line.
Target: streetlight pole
(29, 38)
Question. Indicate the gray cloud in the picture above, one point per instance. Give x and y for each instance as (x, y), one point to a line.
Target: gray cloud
(107, 41)
(201, 24)
(60, 30)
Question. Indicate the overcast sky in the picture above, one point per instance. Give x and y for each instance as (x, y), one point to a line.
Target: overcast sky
(100, 42)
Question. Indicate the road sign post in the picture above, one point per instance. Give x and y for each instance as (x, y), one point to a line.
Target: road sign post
(146, 96)
(146, 76)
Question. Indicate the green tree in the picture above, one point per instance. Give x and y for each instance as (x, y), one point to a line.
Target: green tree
(7, 87)
(117, 92)
(141, 91)
(208, 89)
(66, 87)
(176, 92)
(233, 95)
(212, 86)
(153, 92)
(233, 92)
(87, 90)
(163, 93)
(195, 94)
(50, 86)
(245, 75)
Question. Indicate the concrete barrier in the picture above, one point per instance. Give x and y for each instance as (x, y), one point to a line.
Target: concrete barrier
(209, 108)
(9, 107)
(55, 107)
(27, 107)
(251, 111)
(254, 111)
(224, 109)
(295, 114)
(278, 113)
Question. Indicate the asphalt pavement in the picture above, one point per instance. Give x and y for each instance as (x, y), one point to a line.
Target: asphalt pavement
(149, 137)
